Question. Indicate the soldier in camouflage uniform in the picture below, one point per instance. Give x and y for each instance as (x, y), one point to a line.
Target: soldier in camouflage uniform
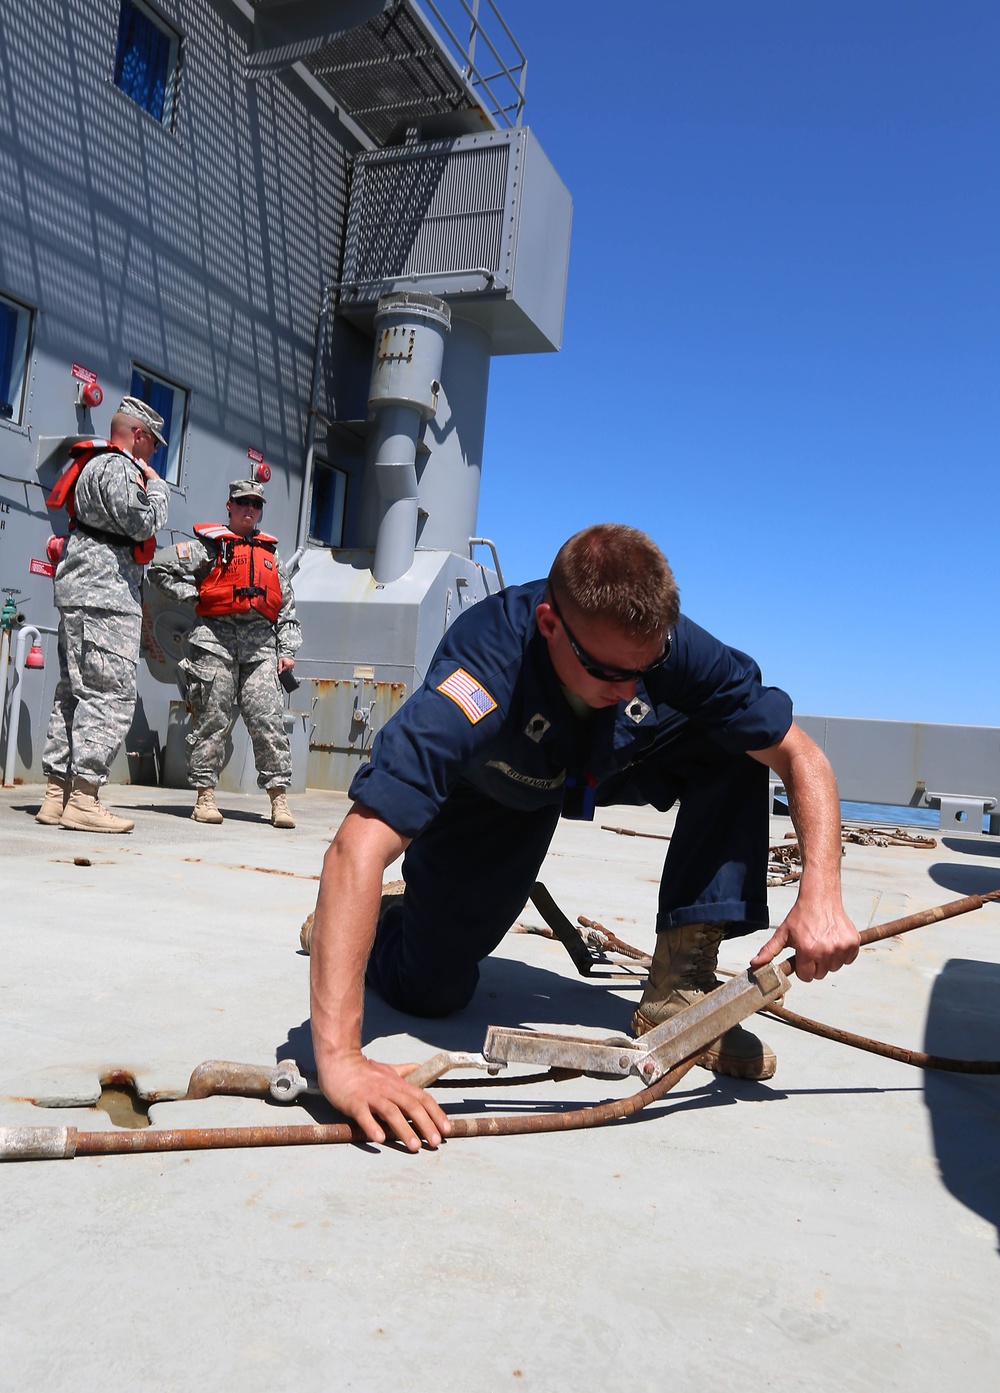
(246, 638)
(118, 500)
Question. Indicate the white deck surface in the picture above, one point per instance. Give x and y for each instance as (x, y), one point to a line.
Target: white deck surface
(833, 1229)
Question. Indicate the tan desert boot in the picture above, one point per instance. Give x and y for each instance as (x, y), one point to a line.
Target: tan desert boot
(390, 891)
(56, 794)
(683, 972)
(84, 812)
(205, 809)
(280, 812)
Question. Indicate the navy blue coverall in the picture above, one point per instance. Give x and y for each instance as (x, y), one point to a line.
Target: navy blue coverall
(475, 768)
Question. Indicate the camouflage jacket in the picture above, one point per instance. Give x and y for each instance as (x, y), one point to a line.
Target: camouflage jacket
(178, 571)
(112, 496)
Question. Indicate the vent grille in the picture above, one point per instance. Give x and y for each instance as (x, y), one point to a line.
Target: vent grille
(429, 214)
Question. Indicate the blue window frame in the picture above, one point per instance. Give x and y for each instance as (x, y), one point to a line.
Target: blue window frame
(171, 402)
(146, 61)
(15, 333)
(326, 522)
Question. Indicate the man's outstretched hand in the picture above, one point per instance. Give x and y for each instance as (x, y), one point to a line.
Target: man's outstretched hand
(369, 1092)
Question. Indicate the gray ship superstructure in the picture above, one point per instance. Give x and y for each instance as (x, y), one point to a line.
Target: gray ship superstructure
(301, 231)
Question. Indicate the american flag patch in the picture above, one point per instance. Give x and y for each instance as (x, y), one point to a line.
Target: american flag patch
(466, 692)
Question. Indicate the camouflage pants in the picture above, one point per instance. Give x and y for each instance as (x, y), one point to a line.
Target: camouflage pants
(215, 686)
(95, 696)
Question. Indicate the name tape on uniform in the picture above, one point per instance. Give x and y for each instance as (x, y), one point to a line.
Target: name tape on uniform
(468, 694)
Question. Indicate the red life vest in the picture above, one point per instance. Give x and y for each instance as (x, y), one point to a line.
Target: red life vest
(63, 495)
(244, 577)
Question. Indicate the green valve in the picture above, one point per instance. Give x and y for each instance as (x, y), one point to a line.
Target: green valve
(10, 616)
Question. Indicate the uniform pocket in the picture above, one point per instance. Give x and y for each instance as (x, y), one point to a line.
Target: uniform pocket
(105, 671)
(116, 633)
(200, 672)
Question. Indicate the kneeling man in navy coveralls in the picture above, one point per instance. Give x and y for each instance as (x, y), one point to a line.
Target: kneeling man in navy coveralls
(588, 687)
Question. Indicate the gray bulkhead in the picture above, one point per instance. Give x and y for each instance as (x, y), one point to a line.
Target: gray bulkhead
(237, 250)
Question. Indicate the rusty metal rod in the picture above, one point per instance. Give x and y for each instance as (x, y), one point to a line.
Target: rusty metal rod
(76, 1143)
(215, 1076)
(628, 832)
(863, 1042)
(876, 934)
(912, 921)
(927, 916)
(616, 944)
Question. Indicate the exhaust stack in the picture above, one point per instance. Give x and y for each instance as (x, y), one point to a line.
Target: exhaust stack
(410, 330)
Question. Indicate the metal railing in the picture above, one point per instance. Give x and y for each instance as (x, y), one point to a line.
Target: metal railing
(501, 89)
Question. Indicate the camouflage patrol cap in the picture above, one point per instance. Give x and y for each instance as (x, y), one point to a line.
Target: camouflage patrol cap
(245, 488)
(142, 411)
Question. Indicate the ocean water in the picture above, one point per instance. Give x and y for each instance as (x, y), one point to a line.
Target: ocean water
(887, 812)
(882, 813)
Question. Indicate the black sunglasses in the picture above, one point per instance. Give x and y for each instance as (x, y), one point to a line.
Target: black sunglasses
(592, 666)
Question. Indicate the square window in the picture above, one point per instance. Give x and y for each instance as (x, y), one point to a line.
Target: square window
(171, 402)
(326, 523)
(147, 60)
(15, 334)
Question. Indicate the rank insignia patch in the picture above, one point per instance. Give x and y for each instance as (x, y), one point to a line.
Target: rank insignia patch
(637, 710)
(537, 727)
(467, 694)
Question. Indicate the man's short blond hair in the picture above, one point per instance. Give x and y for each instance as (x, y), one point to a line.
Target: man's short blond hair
(617, 573)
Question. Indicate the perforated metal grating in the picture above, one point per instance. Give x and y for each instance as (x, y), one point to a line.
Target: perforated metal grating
(429, 214)
(387, 74)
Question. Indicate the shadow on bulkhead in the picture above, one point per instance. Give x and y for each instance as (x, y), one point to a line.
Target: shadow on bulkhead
(963, 1022)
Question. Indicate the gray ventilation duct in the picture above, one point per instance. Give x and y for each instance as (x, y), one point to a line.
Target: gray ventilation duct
(409, 345)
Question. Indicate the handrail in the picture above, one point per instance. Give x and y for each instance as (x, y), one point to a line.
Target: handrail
(515, 73)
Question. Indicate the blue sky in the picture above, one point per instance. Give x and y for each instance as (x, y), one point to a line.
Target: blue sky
(782, 333)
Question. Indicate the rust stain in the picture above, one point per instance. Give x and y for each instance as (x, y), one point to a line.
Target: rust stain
(262, 870)
(117, 1078)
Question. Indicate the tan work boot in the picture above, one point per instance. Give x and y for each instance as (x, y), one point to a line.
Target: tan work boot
(389, 893)
(280, 812)
(683, 972)
(205, 809)
(56, 794)
(84, 812)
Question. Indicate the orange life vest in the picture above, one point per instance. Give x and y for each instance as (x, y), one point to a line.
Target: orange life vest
(63, 495)
(244, 577)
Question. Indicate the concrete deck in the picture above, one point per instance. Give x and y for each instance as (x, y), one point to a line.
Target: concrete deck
(833, 1229)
